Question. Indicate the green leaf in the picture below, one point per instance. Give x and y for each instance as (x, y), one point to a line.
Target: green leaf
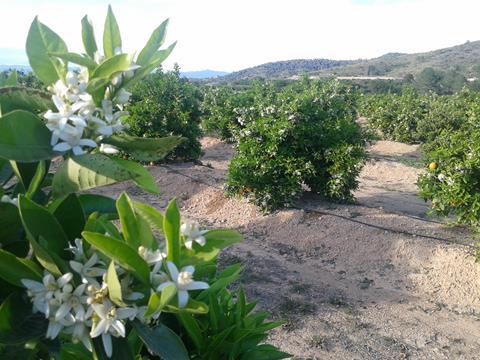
(216, 240)
(76, 59)
(69, 213)
(47, 259)
(10, 224)
(88, 37)
(171, 230)
(144, 149)
(14, 269)
(111, 35)
(121, 349)
(225, 278)
(192, 307)
(88, 171)
(37, 179)
(41, 41)
(114, 287)
(193, 329)
(150, 214)
(143, 178)
(6, 171)
(25, 172)
(18, 324)
(156, 61)
(39, 222)
(161, 341)
(24, 137)
(111, 66)
(74, 352)
(21, 98)
(121, 253)
(158, 301)
(156, 40)
(134, 233)
(98, 203)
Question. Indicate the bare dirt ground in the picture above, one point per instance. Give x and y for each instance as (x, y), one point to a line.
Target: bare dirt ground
(374, 280)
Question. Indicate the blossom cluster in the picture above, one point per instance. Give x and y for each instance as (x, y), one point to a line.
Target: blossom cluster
(78, 303)
(77, 123)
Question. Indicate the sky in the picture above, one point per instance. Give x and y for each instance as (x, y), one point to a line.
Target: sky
(229, 35)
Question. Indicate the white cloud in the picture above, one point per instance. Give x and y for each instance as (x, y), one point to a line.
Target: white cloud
(234, 34)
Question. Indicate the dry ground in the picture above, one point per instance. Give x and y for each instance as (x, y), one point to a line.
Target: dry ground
(375, 280)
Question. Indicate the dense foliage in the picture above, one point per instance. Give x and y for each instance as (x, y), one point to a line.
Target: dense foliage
(453, 179)
(165, 104)
(302, 136)
(396, 116)
(84, 276)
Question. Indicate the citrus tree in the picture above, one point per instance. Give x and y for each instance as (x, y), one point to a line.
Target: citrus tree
(85, 276)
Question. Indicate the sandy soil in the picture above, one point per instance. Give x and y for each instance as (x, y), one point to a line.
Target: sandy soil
(374, 280)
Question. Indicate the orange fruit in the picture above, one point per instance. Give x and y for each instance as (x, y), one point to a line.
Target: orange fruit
(433, 166)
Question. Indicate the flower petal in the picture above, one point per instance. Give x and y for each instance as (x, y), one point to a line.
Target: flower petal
(197, 285)
(173, 271)
(99, 329)
(107, 344)
(182, 298)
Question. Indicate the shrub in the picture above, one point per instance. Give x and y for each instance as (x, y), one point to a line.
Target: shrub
(85, 276)
(164, 104)
(452, 181)
(445, 113)
(396, 116)
(225, 108)
(299, 137)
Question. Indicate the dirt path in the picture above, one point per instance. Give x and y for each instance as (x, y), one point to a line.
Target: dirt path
(375, 280)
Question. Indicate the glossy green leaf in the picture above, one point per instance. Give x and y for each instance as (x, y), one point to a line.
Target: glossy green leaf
(190, 324)
(14, 269)
(156, 40)
(143, 178)
(69, 213)
(145, 149)
(150, 214)
(41, 41)
(133, 232)
(158, 301)
(111, 66)
(10, 223)
(75, 59)
(18, 324)
(121, 253)
(88, 37)
(74, 352)
(216, 240)
(161, 341)
(120, 347)
(86, 172)
(39, 222)
(224, 279)
(24, 137)
(37, 179)
(6, 171)
(192, 307)
(114, 287)
(171, 230)
(11, 80)
(111, 35)
(46, 258)
(98, 203)
(21, 98)
(155, 62)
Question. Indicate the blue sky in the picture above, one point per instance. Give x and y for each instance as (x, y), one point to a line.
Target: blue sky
(234, 34)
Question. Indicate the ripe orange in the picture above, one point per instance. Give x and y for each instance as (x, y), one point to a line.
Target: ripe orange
(433, 166)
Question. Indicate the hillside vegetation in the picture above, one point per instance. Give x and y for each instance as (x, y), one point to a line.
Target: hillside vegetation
(462, 58)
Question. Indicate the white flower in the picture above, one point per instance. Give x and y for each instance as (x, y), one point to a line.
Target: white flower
(77, 249)
(72, 300)
(122, 96)
(108, 149)
(43, 292)
(183, 282)
(110, 323)
(151, 256)
(54, 326)
(7, 199)
(192, 233)
(441, 177)
(450, 181)
(79, 332)
(157, 276)
(88, 271)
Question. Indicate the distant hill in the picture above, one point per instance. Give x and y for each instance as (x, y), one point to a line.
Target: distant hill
(203, 74)
(286, 69)
(22, 68)
(462, 58)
